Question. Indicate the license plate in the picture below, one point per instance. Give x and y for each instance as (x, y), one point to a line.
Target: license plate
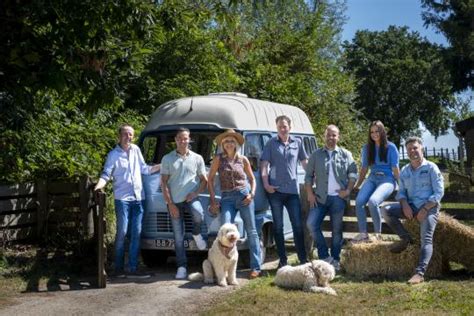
(168, 243)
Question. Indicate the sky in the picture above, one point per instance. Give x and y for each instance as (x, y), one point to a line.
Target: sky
(378, 15)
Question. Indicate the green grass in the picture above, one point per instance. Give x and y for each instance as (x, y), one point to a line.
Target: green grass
(355, 296)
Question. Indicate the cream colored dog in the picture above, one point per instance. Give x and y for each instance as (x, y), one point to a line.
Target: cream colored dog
(309, 277)
(221, 262)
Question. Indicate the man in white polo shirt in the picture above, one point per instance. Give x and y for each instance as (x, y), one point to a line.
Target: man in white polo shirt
(183, 178)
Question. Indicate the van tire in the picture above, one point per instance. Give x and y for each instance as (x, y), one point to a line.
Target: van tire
(154, 258)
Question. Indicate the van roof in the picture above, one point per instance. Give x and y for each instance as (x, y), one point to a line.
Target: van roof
(227, 111)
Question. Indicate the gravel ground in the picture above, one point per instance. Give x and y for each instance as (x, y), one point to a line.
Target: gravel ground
(159, 295)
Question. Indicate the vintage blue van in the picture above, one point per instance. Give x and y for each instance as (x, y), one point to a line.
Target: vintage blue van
(206, 117)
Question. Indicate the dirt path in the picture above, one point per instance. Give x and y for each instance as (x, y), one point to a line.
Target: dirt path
(158, 295)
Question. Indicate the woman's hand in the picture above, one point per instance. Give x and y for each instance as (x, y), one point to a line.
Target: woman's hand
(247, 199)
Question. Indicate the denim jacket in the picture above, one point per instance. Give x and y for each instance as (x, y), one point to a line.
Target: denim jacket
(421, 185)
(317, 170)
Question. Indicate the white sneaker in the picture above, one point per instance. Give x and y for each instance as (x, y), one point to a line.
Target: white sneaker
(328, 259)
(181, 273)
(200, 242)
(360, 238)
(336, 265)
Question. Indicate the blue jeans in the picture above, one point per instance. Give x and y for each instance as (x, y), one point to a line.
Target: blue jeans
(195, 209)
(335, 206)
(392, 214)
(292, 203)
(128, 211)
(375, 190)
(231, 202)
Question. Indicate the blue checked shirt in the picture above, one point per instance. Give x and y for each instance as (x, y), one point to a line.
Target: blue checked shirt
(421, 185)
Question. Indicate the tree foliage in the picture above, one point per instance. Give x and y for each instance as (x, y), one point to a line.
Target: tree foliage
(455, 19)
(401, 80)
(71, 68)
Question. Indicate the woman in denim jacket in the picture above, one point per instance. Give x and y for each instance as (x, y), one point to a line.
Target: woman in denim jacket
(381, 156)
(235, 173)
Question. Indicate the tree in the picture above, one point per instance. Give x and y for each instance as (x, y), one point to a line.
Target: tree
(401, 80)
(455, 19)
(288, 52)
(81, 50)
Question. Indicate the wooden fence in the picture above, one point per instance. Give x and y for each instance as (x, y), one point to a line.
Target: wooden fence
(443, 153)
(45, 210)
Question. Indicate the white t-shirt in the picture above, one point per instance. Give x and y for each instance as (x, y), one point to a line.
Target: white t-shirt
(333, 186)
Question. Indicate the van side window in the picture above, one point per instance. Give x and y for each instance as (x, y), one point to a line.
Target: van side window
(313, 144)
(253, 149)
(307, 145)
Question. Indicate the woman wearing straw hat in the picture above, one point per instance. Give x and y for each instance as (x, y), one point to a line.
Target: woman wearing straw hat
(235, 175)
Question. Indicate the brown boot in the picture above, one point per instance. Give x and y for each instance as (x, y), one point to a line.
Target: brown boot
(400, 245)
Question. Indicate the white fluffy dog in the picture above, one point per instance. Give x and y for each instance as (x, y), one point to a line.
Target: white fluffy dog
(309, 277)
(222, 258)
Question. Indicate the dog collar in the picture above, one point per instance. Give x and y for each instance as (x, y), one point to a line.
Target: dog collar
(225, 250)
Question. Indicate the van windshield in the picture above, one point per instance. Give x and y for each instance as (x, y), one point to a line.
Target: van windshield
(155, 146)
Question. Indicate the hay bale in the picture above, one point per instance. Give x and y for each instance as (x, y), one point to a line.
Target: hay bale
(453, 239)
(456, 241)
(375, 259)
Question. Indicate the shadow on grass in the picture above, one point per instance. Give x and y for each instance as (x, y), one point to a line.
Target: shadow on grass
(47, 269)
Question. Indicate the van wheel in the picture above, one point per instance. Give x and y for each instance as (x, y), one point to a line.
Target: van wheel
(154, 258)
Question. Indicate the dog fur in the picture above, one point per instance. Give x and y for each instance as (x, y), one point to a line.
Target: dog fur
(221, 263)
(309, 277)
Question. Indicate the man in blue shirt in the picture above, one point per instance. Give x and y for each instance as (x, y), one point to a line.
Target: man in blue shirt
(125, 165)
(420, 193)
(279, 163)
(183, 178)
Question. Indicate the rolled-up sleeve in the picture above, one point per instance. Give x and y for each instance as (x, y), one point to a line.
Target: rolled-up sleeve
(437, 182)
(310, 169)
(352, 167)
(108, 167)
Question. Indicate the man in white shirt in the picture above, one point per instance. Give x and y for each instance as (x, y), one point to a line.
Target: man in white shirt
(125, 165)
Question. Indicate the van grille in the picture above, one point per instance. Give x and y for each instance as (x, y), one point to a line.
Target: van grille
(161, 222)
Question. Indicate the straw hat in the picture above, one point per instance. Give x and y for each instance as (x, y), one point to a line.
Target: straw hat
(230, 132)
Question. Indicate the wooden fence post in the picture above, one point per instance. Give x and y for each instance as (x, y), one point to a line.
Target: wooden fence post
(42, 209)
(101, 248)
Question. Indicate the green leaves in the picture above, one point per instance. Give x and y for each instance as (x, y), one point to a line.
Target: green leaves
(401, 80)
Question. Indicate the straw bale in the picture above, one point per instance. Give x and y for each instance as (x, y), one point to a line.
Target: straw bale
(375, 259)
(453, 239)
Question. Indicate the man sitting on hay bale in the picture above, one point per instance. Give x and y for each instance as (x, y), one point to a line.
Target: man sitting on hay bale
(420, 192)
